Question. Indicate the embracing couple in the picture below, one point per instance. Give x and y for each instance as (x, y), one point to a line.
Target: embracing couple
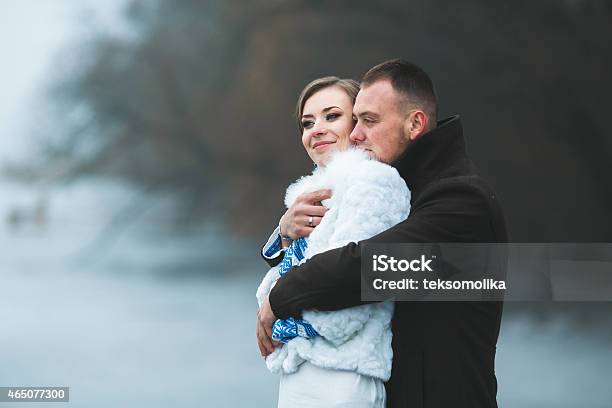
(386, 172)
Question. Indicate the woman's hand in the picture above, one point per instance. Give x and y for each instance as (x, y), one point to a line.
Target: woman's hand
(304, 215)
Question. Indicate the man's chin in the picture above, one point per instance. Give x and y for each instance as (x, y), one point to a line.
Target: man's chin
(369, 152)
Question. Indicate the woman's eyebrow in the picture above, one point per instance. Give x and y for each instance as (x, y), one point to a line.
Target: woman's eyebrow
(331, 107)
(308, 115)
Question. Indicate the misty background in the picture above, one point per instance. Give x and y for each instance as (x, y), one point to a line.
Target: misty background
(145, 147)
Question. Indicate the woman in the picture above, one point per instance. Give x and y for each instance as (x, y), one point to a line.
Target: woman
(341, 358)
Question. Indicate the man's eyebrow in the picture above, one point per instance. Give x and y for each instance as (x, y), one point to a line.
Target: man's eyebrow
(324, 110)
(369, 113)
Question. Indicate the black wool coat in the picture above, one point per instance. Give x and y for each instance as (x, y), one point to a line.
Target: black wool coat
(443, 352)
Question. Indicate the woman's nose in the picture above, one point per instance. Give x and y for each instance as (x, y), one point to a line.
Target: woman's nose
(318, 129)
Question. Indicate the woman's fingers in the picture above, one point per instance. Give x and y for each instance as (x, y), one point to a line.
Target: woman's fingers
(316, 220)
(314, 210)
(307, 224)
(311, 221)
(295, 222)
(316, 196)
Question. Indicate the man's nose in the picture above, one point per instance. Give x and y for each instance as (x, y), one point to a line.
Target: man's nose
(357, 135)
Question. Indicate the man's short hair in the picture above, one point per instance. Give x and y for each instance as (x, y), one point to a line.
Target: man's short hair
(410, 81)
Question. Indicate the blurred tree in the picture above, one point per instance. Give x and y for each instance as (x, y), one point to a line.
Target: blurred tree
(200, 102)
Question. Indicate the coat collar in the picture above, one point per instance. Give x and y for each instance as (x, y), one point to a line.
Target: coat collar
(436, 154)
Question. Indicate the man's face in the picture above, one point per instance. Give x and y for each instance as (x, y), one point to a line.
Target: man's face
(380, 122)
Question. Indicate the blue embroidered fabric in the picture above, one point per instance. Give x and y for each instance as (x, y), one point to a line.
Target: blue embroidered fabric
(285, 330)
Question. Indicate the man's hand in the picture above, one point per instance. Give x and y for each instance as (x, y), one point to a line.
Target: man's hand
(304, 215)
(265, 320)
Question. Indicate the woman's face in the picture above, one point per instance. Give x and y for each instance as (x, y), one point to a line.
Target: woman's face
(327, 119)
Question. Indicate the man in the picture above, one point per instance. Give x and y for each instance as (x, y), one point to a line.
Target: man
(443, 352)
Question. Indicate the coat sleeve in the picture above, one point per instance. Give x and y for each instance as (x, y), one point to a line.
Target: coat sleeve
(332, 280)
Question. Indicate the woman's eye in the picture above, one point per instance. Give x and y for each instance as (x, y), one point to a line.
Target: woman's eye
(332, 116)
(307, 124)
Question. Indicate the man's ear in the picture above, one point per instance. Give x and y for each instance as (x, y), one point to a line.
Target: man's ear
(415, 124)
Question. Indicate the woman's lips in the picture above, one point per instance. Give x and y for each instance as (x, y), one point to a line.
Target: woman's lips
(321, 145)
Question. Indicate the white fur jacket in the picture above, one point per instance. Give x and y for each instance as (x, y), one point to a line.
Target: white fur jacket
(368, 197)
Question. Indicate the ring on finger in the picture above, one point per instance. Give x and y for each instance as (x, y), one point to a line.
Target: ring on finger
(310, 221)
